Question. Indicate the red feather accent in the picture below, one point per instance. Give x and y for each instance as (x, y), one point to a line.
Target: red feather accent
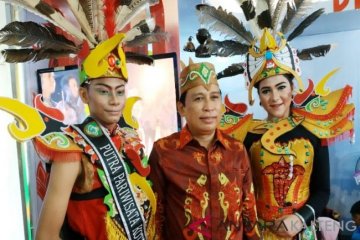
(239, 108)
(300, 98)
(109, 12)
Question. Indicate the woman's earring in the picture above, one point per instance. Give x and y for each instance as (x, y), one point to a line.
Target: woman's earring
(260, 103)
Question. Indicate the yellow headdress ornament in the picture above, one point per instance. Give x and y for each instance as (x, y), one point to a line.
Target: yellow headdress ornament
(271, 58)
(263, 42)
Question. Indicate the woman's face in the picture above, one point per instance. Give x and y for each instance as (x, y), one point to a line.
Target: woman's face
(276, 96)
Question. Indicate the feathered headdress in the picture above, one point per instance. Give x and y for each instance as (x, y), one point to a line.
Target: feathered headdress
(265, 41)
(102, 25)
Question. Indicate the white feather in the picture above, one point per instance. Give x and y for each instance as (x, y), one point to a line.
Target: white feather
(99, 20)
(279, 15)
(125, 13)
(79, 13)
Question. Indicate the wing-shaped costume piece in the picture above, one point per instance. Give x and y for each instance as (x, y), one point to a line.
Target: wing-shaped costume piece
(326, 114)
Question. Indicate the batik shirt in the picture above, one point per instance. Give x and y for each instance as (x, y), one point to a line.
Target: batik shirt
(203, 193)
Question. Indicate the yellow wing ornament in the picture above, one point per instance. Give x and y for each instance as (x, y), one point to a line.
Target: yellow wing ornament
(42, 123)
(29, 120)
(326, 113)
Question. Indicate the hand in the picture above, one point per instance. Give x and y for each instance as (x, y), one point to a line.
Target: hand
(287, 226)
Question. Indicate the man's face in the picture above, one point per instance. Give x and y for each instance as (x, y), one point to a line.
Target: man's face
(106, 99)
(202, 109)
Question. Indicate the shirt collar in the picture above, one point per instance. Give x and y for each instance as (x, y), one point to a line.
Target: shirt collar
(186, 137)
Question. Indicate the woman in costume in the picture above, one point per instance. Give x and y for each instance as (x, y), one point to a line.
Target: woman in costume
(98, 168)
(288, 152)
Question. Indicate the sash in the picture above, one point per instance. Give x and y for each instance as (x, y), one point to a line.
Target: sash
(96, 136)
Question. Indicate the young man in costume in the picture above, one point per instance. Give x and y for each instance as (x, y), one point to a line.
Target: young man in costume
(202, 177)
(99, 183)
(98, 169)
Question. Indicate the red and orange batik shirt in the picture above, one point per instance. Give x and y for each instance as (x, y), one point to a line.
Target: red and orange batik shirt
(203, 193)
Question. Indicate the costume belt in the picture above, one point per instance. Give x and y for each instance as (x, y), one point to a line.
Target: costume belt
(270, 213)
(130, 215)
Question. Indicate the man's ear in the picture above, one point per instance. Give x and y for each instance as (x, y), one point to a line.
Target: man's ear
(84, 95)
(180, 107)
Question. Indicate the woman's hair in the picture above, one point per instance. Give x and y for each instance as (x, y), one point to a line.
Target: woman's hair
(288, 76)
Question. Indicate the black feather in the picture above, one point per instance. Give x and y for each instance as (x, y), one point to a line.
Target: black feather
(28, 34)
(156, 36)
(137, 58)
(224, 22)
(264, 19)
(225, 48)
(87, 7)
(24, 55)
(305, 23)
(248, 9)
(318, 51)
(232, 70)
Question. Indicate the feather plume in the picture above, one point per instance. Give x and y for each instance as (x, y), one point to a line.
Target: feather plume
(232, 70)
(221, 21)
(248, 9)
(263, 18)
(137, 58)
(47, 10)
(280, 13)
(156, 36)
(94, 12)
(24, 55)
(125, 13)
(79, 14)
(109, 11)
(272, 6)
(87, 6)
(305, 23)
(143, 27)
(225, 48)
(294, 15)
(257, 14)
(318, 51)
(28, 34)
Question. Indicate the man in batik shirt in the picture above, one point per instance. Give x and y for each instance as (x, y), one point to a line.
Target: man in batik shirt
(201, 176)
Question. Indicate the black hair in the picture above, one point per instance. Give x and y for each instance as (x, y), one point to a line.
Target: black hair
(355, 209)
(182, 98)
(288, 76)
